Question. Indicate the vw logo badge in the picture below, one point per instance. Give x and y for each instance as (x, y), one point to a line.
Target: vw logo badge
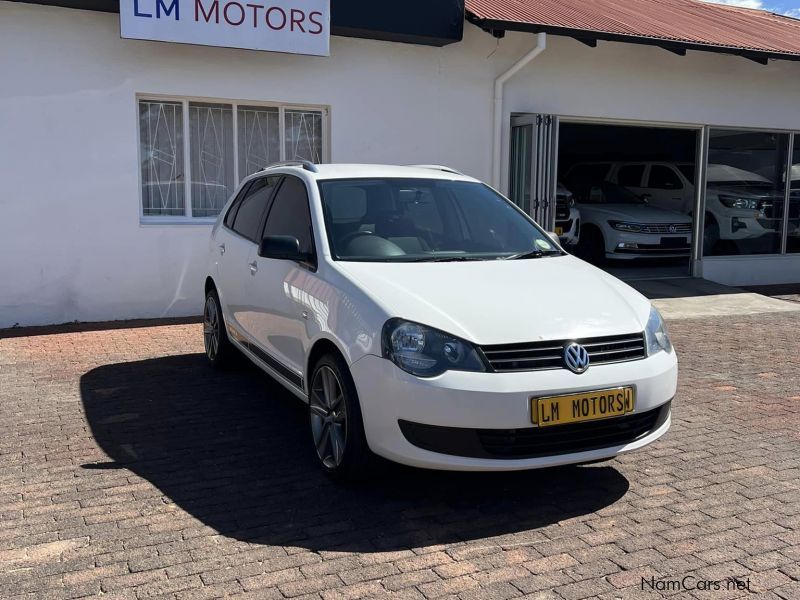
(576, 358)
(672, 229)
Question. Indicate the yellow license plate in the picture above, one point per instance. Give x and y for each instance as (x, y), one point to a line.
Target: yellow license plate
(559, 231)
(586, 406)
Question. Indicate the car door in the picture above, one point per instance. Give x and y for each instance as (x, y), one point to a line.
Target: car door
(236, 243)
(281, 322)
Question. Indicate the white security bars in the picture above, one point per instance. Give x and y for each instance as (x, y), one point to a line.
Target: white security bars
(191, 176)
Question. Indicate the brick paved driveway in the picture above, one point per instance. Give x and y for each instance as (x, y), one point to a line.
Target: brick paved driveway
(130, 469)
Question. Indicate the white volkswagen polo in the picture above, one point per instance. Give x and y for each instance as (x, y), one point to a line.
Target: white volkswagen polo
(424, 318)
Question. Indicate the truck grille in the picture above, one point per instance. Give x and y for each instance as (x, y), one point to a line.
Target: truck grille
(539, 356)
(562, 208)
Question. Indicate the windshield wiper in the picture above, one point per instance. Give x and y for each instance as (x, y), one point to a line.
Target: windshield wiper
(446, 258)
(532, 254)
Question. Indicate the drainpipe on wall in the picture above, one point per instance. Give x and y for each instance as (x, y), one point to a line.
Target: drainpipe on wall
(497, 156)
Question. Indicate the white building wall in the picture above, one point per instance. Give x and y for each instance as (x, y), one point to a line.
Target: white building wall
(72, 245)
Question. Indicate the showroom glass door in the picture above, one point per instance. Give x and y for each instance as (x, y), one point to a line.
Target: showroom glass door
(534, 165)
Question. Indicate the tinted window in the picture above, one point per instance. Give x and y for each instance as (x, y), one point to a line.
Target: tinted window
(583, 175)
(630, 175)
(607, 193)
(688, 171)
(664, 178)
(414, 220)
(248, 217)
(235, 206)
(289, 214)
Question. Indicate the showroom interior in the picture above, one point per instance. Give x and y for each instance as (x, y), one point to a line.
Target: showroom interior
(624, 195)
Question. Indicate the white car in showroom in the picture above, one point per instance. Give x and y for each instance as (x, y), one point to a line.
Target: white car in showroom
(739, 203)
(426, 319)
(618, 224)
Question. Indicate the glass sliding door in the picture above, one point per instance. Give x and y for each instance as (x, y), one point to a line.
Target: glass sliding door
(745, 190)
(533, 166)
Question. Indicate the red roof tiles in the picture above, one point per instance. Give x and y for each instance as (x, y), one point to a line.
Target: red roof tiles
(687, 23)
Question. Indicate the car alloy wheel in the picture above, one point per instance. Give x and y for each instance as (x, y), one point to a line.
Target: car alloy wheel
(328, 411)
(211, 328)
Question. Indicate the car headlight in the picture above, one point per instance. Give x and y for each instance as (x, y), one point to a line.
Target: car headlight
(736, 202)
(571, 202)
(656, 334)
(623, 226)
(427, 352)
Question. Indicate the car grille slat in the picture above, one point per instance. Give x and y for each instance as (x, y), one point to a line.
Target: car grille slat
(665, 228)
(538, 356)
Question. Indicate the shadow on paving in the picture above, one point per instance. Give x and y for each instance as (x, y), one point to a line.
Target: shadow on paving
(233, 450)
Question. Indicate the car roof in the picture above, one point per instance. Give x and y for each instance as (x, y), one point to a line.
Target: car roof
(354, 171)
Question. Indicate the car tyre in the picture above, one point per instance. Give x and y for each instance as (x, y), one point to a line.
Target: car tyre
(592, 246)
(215, 336)
(335, 421)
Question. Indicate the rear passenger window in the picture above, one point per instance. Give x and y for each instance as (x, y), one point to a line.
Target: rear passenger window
(290, 215)
(664, 178)
(229, 218)
(630, 175)
(251, 210)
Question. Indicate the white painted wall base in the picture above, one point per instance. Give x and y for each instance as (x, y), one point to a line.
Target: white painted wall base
(752, 270)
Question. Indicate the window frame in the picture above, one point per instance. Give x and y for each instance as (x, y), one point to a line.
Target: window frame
(185, 101)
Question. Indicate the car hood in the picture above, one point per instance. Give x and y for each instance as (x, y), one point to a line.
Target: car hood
(634, 213)
(500, 302)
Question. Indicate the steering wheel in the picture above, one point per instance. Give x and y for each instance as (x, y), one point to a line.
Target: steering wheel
(345, 240)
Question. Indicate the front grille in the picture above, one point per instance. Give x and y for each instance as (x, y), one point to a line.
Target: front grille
(562, 208)
(666, 228)
(533, 442)
(538, 356)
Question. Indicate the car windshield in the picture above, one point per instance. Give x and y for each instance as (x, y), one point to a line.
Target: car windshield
(608, 193)
(426, 220)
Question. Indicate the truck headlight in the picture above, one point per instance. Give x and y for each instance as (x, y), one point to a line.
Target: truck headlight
(736, 202)
(623, 226)
(656, 335)
(426, 352)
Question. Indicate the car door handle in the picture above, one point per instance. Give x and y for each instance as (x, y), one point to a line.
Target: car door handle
(253, 268)
(222, 249)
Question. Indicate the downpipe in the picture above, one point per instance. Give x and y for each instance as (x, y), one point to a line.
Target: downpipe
(499, 85)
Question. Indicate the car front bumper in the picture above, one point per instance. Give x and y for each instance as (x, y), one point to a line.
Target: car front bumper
(624, 245)
(390, 397)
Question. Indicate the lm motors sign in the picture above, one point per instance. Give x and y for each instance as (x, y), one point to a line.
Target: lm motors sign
(296, 26)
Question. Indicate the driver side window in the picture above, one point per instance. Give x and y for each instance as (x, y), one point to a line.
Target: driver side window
(663, 178)
(290, 214)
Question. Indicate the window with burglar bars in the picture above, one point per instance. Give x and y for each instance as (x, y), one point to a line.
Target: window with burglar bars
(194, 154)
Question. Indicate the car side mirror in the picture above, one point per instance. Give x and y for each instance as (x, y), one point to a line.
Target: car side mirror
(285, 247)
(554, 236)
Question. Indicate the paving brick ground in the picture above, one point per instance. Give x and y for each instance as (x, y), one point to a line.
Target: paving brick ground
(130, 469)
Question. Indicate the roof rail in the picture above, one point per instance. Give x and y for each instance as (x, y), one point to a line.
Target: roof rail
(306, 164)
(438, 168)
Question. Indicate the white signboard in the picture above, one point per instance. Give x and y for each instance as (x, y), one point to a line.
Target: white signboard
(296, 26)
